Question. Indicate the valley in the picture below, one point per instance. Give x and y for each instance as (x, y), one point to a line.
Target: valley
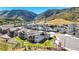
(51, 30)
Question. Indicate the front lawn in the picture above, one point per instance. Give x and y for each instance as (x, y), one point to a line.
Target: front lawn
(48, 43)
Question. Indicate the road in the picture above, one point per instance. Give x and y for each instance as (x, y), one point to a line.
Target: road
(69, 42)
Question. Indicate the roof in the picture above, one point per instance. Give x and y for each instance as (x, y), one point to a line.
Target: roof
(5, 36)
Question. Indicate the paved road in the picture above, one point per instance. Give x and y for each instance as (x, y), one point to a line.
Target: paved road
(69, 41)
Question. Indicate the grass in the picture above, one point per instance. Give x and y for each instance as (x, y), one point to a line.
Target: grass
(19, 40)
(5, 46)
(58, 22)
(47, 43)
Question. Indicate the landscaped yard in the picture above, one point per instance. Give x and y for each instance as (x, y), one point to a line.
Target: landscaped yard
(4, 46)
(48, 43)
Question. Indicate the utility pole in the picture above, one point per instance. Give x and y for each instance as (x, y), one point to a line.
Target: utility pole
(45, 20)
(15, 20)
(75, 24)
(64, 43)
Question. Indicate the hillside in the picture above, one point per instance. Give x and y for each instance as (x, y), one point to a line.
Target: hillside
(48, 13)
(71, 14)
(17, 14)
(57, 21)
(64, 16)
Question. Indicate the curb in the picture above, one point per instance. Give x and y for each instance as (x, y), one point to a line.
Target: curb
(69, 49)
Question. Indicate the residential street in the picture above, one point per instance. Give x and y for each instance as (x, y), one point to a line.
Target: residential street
(69, 42)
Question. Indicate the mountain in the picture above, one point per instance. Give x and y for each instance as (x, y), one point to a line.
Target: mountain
(67, 14)
(18, 14)
(71, 14)
(48, 13)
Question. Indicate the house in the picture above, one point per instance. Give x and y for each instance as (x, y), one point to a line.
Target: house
(13, 32)
(3, 30)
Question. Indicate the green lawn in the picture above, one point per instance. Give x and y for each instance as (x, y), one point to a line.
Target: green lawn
(47, 43)
(5, 46)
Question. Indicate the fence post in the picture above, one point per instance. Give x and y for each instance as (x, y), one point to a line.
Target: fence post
(64, 43)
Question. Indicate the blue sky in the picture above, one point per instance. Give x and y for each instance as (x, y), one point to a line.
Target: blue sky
(33, 9)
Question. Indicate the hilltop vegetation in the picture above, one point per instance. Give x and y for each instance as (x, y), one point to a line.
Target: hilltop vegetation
(10, 21)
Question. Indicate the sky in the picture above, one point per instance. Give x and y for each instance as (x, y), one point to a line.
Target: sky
(37, 10)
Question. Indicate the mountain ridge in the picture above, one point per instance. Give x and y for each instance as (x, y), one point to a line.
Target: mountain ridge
(69, 14)
(13, 14)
